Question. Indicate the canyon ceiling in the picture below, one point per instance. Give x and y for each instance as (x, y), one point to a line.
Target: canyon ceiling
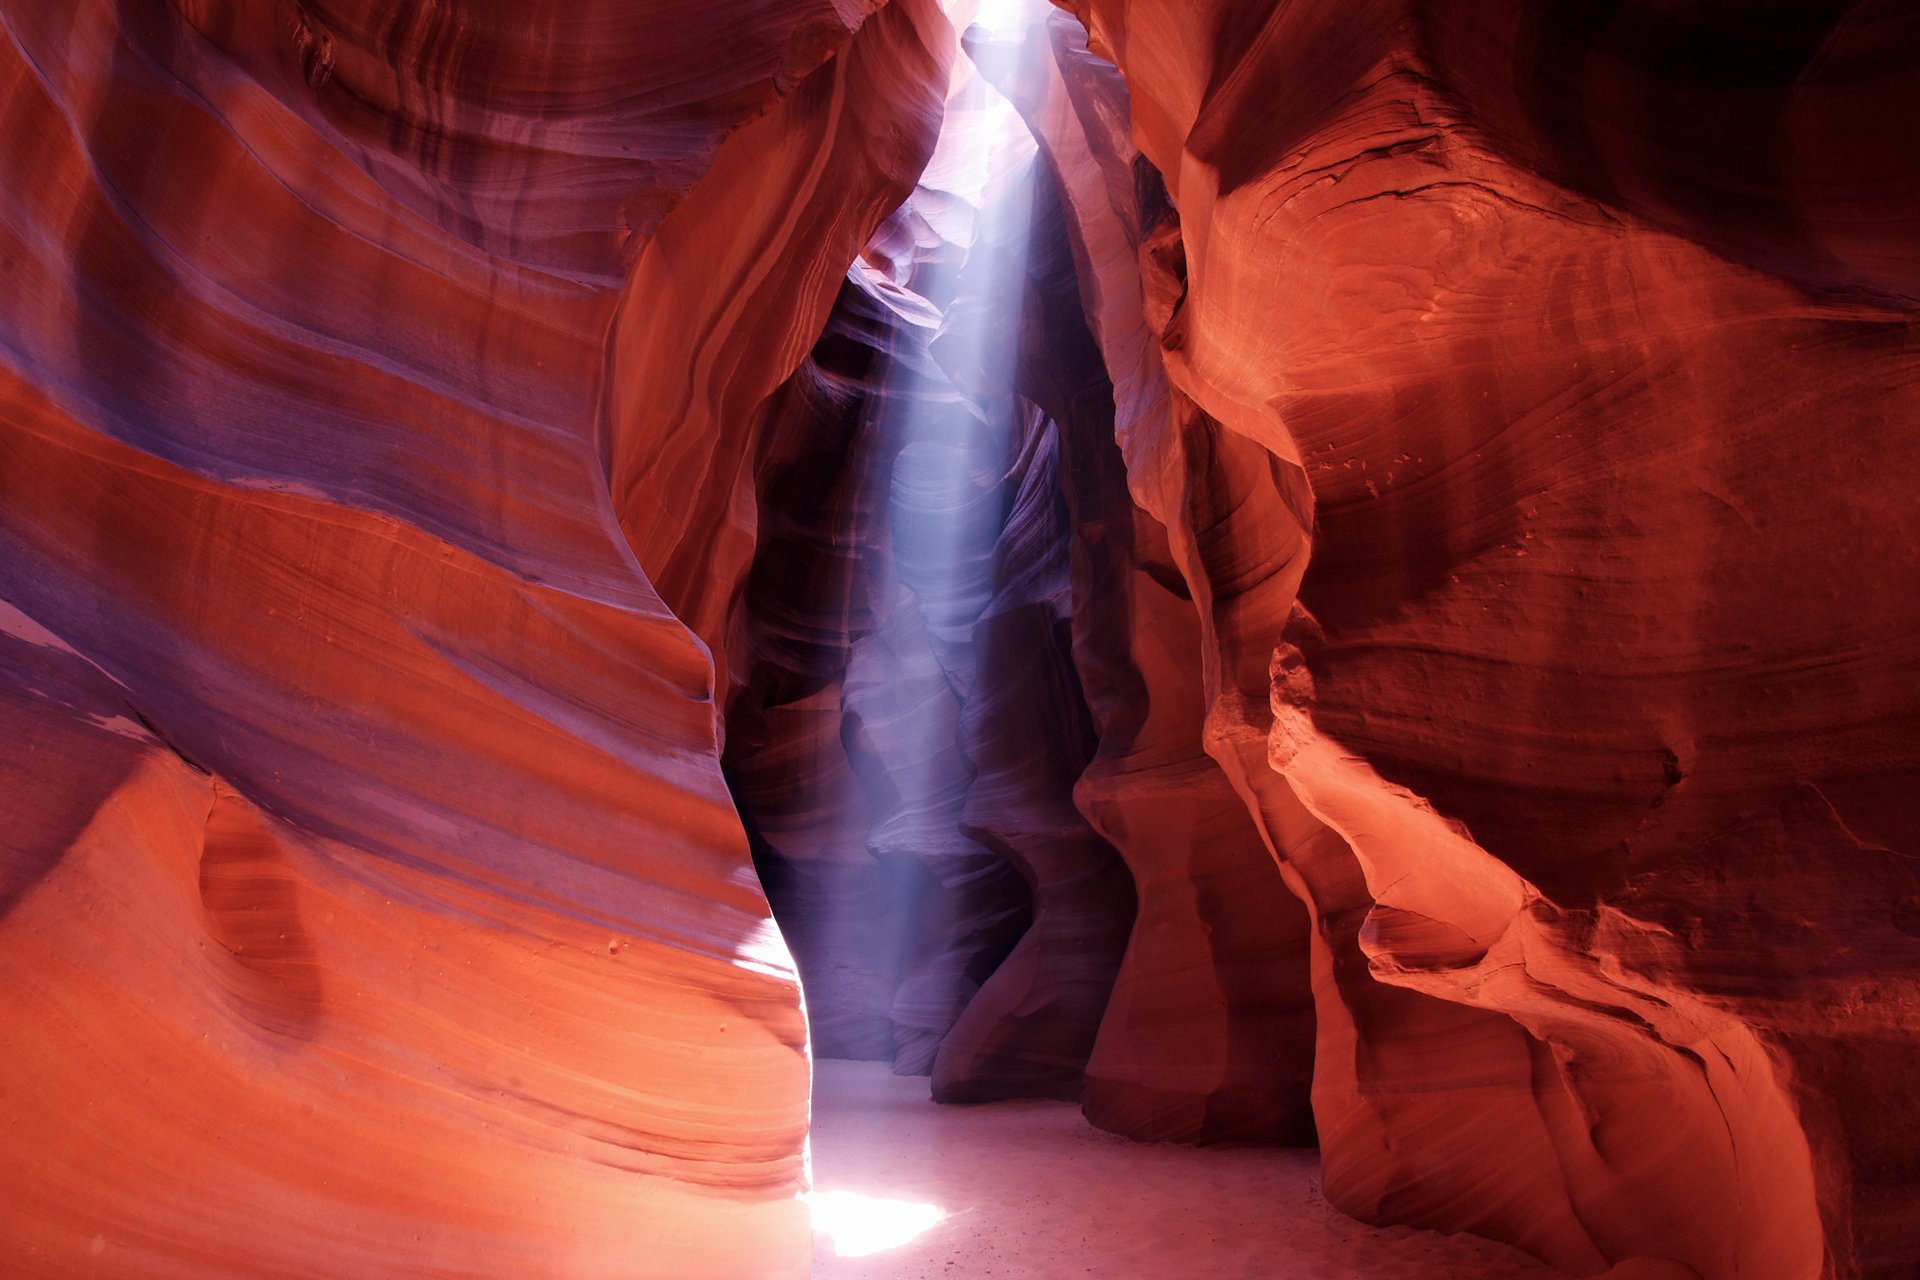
(1429, 666)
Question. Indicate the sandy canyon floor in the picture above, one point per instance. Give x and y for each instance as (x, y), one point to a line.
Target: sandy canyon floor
(906, 1190)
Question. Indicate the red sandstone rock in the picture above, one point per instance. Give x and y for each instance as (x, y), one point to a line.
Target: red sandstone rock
(1450, 540)
(1209, 1034)
(373, 900)
(1536, 754)
(730, 294)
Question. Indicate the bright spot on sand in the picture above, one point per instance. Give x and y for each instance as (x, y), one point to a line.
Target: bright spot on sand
(860, 1225)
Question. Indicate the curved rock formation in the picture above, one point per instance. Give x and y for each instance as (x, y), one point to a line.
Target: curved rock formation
(911, 599)
(896, 914)
(1534, 754)
(1362, 595)
(370, 871)
(1209, 1034)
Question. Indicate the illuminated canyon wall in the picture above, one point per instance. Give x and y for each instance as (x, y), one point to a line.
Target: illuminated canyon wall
(374, 903)
(1427, 666)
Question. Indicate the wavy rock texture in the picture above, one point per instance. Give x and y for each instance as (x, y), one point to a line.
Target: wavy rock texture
(918, 718)
(896, 915)
(905, 632)
(727, 299)
(1499, 405)
(373, 897)
(1370, 604)
(1209, 1035)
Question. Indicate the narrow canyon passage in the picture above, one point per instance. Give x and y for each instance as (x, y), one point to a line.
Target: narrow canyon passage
(742, 639)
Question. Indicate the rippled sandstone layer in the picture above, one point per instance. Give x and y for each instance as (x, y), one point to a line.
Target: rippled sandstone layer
(1434, 674)
(1539, 454)
(373, 901)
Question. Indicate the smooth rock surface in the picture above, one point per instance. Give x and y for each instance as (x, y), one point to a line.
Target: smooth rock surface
(1344, 576)
(1482, 464)
(373, 900)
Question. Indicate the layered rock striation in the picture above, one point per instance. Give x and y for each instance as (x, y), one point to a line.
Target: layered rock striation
(1497, 407)
(373, 900)
(1337, 573)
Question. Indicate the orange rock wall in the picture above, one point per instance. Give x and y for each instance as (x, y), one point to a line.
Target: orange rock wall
(373, 901)
(1430, 672)
(1539, 460)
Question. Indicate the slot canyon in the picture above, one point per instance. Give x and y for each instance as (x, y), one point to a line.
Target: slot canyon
(1270, 631)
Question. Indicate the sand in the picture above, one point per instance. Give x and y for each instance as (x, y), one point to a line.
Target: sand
(1030, 1191)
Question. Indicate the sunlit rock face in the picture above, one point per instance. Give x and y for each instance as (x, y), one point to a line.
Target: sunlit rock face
(373, 903)
(1538, 452)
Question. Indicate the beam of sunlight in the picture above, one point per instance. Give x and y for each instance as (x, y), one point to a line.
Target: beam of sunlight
(895, 912)
(859, 1225)
(946, 422)
(1003, 18)
(953, 425)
